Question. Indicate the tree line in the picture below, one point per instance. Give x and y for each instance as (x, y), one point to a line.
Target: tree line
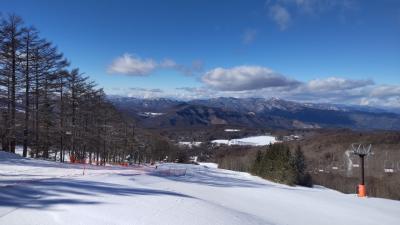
(279, 164)
(276, 162)
(51, 110)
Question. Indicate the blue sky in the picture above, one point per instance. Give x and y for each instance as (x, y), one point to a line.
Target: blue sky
(344, 51)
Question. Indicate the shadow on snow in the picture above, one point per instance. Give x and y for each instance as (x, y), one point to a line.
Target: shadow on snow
(221, 178)
(46, 193)
(211, 177)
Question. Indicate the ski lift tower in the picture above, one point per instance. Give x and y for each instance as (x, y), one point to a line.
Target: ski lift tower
(361, 151)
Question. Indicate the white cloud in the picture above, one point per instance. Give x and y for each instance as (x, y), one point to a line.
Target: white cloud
(255, 81)
(132, 65)
(385, 91)
(242, 78)
(280, 15)
(336, 83)
(392, 102)
(137, 92)
(387, 96)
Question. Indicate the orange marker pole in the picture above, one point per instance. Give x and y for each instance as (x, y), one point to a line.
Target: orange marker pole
(362, 191)
(361, 187)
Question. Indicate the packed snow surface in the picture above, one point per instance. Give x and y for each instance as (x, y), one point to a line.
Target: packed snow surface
(254, 141)
(48, 193)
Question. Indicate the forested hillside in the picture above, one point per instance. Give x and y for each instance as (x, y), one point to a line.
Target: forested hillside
(253, 112)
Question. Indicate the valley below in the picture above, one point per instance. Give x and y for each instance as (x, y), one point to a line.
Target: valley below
(230, 131)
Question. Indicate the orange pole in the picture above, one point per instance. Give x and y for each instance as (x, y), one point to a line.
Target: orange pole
(361, 187)
(362, 192)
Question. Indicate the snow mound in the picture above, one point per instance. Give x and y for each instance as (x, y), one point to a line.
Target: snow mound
(209, 165)
(7, 156)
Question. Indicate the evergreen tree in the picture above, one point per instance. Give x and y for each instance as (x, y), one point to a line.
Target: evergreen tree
(299, 163)
(279, 165)
(256, 169)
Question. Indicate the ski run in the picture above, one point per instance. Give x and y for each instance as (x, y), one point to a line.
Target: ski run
(38, 192)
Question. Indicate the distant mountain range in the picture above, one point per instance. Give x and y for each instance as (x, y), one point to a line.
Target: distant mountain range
(253, 112)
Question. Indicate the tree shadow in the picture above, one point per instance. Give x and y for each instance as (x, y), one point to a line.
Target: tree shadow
(223, 178)
(48, 192)
(12, 159)
(212, 177)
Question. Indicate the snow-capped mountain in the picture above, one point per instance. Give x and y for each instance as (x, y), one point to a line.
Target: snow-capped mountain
(255, 112)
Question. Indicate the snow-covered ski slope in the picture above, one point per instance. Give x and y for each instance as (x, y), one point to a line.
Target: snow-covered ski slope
(36, 192)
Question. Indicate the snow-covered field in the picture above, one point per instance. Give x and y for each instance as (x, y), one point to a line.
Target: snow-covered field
(150, 114)
(232, 130)
(254, 141)
(44, 193)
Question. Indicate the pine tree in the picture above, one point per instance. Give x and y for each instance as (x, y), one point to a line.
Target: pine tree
(299, 161)
(299, 164)
(10, 51)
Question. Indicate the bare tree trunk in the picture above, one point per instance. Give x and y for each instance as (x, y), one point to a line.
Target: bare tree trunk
(8, 121)
(73, 119)
(12, 100)
(61, 121)
(27, 88)
(37, 114)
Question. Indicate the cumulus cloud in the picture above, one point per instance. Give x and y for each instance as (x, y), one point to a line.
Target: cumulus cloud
(249, 36)
(255, 81)
(280, 15)
(128, 64)
(242, 78)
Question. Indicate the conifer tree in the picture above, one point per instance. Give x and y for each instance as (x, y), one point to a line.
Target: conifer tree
(60, 111)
